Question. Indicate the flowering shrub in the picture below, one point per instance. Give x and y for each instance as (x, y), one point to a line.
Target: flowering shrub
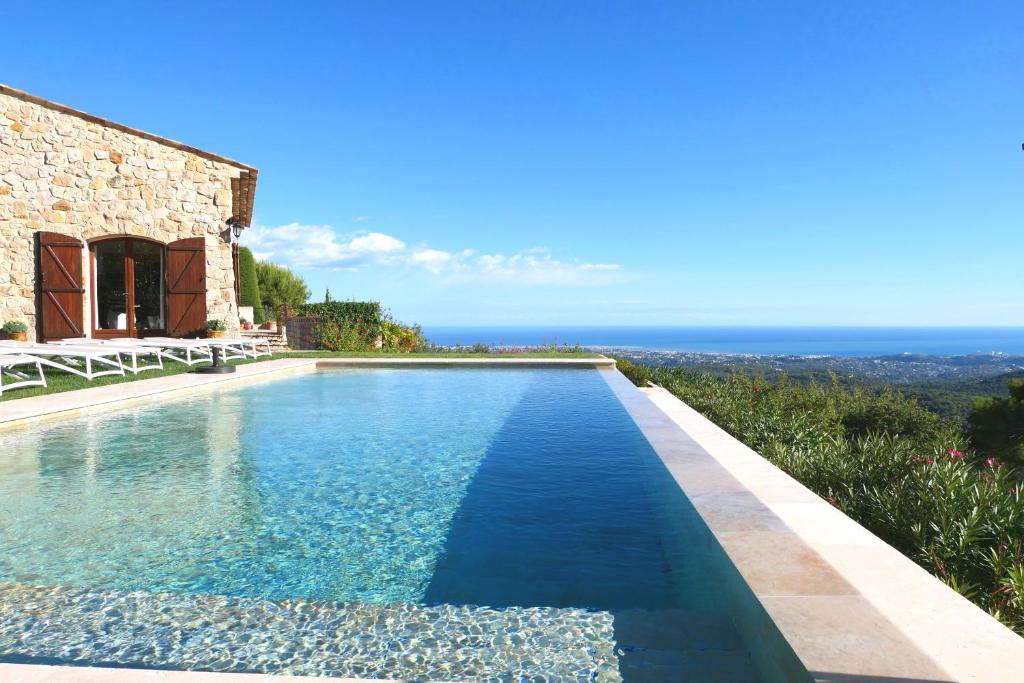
(334, 336)
(890, 465)
(399, 338)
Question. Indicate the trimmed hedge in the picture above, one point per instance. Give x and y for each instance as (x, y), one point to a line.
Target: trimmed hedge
(360, 314)
(345, 325)
(248, 284)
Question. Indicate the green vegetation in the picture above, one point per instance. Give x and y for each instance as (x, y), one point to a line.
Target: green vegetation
(345, 325)
(248, 284)
(14, 327)
(996, 425)
(891, 465)
(638, 374)
(215, 325)
(58, 381)
(279, 286)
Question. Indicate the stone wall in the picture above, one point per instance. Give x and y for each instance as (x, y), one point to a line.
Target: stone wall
(61, 173)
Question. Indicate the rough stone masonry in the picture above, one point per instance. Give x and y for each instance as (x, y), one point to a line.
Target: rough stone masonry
(65, 173)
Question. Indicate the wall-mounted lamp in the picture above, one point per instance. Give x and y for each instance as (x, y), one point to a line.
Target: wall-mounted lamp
(236, 226)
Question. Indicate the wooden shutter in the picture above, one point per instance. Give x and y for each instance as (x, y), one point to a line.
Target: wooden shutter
(186, 287)
(61, 294)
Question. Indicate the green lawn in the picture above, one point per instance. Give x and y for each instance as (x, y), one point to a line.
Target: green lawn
(58, 381)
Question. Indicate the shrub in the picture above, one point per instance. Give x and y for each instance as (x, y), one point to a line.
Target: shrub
(248, 284)
(215, 325)
(637, 374)
(958, 516)
(336, 337)
(399, 338)
(14, 326)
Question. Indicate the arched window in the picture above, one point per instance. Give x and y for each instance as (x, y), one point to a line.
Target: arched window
(127, 287)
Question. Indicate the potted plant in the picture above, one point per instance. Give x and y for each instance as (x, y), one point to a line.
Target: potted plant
(246, 325)
(215, 328)
(15, 330)
(270, 326)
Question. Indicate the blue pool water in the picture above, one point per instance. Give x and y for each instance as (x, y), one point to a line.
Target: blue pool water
(524, 500)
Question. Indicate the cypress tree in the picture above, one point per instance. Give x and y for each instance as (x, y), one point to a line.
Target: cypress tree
(248, 285)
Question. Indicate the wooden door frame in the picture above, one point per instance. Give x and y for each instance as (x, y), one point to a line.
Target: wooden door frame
(131, 330)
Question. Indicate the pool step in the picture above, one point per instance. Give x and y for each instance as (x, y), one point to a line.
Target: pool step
(299, 637)
(663, 646)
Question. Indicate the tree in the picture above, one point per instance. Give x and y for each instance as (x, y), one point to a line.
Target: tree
(996, 425)
(327, 295)
(248, 284)
(278, 285)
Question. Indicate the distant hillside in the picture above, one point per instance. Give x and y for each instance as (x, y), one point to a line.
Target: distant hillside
(954, 398)
(946, 385)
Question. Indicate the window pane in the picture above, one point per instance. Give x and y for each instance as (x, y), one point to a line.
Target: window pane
(110, 306)
(149, 286)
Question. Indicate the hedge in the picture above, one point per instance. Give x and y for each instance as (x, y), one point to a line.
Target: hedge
(365, 316)
(248, 285)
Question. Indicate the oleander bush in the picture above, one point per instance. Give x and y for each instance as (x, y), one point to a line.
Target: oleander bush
(889, 464)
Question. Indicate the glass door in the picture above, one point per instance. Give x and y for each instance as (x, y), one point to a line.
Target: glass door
(128, 288)
(110, 289)
(147, 287)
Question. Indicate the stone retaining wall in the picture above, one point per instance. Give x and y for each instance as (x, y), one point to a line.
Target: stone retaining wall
(61, 173)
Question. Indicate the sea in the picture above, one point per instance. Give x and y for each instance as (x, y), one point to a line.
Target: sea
(795, 341)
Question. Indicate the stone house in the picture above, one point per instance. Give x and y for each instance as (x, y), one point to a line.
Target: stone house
(108, 231)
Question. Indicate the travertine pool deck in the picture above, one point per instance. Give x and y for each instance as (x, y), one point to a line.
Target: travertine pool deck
(850, 607)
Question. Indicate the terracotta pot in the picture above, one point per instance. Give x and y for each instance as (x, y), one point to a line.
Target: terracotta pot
(215, 334)
(18, 336)
(270, 326)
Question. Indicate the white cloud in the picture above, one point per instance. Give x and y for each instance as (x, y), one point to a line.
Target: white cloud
(320, 246)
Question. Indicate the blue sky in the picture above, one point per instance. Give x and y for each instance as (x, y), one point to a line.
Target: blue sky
(591, 163)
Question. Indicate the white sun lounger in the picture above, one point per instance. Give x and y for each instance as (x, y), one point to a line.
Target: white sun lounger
(229, 348)
(7, 365)
(250, 346)
(187, 351)
(78, 360)
(131, 351)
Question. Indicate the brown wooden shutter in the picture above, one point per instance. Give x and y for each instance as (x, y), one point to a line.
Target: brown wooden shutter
(61, 294)
(186, 287)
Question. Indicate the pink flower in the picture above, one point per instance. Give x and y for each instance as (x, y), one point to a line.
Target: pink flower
(991, 462)
(955, 454)
(930, 461)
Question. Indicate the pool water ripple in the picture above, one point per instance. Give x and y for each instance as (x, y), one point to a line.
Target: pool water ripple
(466, 524)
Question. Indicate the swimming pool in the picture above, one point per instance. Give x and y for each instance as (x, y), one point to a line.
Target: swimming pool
(485, 524)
